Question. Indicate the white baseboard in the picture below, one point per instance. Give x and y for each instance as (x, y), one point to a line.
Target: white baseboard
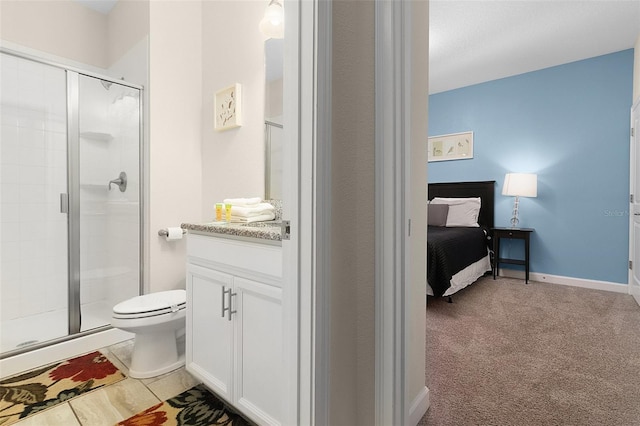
(419, 406)
(570, 281)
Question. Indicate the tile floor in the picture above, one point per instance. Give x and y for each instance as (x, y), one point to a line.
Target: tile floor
(116, 402)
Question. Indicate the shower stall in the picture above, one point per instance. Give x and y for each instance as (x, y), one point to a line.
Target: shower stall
(70, 197)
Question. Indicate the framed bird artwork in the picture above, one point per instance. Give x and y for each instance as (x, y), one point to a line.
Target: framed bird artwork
(456, 146)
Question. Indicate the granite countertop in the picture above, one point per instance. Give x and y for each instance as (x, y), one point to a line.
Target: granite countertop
(270, 231)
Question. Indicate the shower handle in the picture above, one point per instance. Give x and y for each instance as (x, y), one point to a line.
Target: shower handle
(121, 182)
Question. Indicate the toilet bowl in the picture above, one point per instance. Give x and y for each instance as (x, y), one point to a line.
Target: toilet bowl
(155, 319)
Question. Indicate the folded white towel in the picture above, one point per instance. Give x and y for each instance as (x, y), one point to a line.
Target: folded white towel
(259, 218)
(255, 210)
(245, 202)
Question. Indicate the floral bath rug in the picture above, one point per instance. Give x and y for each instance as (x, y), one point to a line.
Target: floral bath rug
(195, 407)
(34, 391)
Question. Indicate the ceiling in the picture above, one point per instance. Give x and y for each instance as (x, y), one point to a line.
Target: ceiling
(476, 41)
(102, 6)
(473, 41)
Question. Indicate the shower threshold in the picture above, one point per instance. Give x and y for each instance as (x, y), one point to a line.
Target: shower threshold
(22, 332)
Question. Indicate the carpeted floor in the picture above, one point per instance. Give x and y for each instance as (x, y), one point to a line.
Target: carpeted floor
(506, 353)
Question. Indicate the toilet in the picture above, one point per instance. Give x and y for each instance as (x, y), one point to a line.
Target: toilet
(156, 319)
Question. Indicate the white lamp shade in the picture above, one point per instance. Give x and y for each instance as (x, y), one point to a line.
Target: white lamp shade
(272, 25)
(520, 184)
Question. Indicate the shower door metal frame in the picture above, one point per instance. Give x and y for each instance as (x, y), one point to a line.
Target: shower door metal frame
(73, 197)
(73, 187)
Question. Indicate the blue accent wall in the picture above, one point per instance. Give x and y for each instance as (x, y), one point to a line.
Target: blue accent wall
(570, 124)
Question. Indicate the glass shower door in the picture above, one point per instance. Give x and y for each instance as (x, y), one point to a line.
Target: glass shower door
(70, 206)
(33, 229)
(108, 205)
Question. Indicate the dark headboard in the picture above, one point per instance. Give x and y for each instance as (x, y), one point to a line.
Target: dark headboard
(485, 190)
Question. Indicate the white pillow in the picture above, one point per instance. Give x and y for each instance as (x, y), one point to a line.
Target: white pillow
(462, 211)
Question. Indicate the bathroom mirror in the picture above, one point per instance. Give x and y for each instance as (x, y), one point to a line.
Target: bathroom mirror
(273, 129)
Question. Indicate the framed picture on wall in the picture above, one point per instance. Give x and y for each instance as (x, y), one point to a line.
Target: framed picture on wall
(454, 146)
(228, 108)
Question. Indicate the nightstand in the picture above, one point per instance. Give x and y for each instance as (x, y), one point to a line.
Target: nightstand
(511, 233)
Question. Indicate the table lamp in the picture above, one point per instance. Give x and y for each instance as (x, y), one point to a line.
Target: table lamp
(519, 185)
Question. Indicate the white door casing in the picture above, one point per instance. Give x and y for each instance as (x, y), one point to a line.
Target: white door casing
(401, 109)
(417, 393)
(634, 204)
(295, 370)
(306, 201)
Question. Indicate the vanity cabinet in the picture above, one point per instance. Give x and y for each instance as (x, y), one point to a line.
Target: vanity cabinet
(234, 323)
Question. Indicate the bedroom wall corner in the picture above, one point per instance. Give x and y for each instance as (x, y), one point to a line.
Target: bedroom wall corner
(553, 122)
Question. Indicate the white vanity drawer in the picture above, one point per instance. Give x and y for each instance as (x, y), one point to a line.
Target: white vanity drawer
(253, 257)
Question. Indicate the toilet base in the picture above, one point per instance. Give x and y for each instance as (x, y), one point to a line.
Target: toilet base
(147, 374)
(155, 354)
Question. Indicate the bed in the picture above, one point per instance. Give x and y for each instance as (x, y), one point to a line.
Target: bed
(458, 255)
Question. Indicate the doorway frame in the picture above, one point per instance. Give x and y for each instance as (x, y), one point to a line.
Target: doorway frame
(307, 188)
(401, 178)
(307, 184)
(633, 198)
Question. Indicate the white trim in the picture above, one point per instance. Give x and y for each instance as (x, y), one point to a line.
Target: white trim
(307, 199)
(570, 281)
(633, 210)
(632, 178)
(392, 138)
(419, 406)
(295, 356)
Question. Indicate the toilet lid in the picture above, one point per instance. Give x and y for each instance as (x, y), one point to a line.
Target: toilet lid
(153, 302)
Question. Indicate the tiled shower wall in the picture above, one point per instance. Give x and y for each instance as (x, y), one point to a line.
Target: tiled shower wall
(109, 144)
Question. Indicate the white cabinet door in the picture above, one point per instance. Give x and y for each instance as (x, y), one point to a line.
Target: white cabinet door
(259, 352)
(209, 351)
